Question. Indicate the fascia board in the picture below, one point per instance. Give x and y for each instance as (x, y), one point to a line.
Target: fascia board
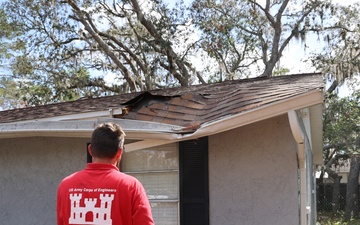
(316, 126)
(47, 129)
(82, 116)
(83, 128)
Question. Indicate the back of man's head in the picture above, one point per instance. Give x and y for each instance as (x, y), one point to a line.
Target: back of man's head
(106, 140)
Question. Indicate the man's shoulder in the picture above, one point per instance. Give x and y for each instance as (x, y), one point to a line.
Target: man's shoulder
(69, 178)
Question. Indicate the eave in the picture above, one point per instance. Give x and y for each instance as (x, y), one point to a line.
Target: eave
(151, 134)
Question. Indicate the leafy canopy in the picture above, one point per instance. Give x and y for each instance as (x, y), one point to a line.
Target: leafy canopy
(52, 50)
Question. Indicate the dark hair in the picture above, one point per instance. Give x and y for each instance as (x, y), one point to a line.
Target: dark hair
(106, 140)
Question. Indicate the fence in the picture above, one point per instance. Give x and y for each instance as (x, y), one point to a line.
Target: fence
(324, 197)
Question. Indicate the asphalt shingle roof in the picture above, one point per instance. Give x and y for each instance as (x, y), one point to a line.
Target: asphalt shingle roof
(183, 106)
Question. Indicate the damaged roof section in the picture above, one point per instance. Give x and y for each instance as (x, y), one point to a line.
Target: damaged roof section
(181, 110)
(192, 106)
(188, 107)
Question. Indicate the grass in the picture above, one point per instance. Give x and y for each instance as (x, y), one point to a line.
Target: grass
(326, 218)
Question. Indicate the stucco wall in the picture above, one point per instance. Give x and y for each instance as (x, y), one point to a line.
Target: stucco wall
(31, 169)
(253, 175)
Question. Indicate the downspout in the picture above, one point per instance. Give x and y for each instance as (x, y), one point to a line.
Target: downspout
(304, 122)
(307, 184)
(298, 136)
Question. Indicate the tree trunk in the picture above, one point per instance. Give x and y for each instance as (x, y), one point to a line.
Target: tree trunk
(269, 68)
(351, 208)
(336, 187)
(336, 196)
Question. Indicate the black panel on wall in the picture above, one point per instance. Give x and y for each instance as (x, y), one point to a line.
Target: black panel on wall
(194, 182)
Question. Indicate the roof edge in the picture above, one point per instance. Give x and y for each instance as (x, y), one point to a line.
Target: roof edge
(83, 128)
(157, 131)
(305, 100)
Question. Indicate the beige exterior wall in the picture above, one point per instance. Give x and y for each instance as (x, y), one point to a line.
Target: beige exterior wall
(31, 169)
(253, 175)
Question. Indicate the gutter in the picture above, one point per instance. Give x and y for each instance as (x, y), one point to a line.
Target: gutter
(82, 116)
(84, 128)
(300, 127)
(301, 157)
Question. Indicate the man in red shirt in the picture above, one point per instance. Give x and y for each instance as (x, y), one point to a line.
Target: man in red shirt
(100, 194)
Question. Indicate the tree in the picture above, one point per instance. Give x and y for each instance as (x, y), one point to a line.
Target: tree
(239, 34)
(32, 77)
(148, 45)
(339, 58)
(352, 190)
(61, 37)
(9, 92)
(342, 140)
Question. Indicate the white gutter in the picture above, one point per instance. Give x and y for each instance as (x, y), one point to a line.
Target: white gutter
(299, 138)
(301, 128)
(83, 116)
(80, 129)
(84, 128)
(316, 128)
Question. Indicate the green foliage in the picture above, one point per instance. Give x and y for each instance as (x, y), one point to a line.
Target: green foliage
(8, 93)
(341, 125)
(223, 35)
(280, 71)
(102, 37)
(325, 218)
(243, 34)
(340, 56)
(49, 48)
(8, 31)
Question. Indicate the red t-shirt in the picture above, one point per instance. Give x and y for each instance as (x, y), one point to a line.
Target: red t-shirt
(102, 195)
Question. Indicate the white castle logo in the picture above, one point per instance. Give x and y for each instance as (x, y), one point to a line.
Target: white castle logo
(99, 215)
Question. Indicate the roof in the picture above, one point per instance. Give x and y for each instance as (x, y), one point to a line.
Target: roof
(160, 117)
(188, 107)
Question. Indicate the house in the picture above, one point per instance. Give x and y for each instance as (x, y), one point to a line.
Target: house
(236, 152)
(341, 167)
